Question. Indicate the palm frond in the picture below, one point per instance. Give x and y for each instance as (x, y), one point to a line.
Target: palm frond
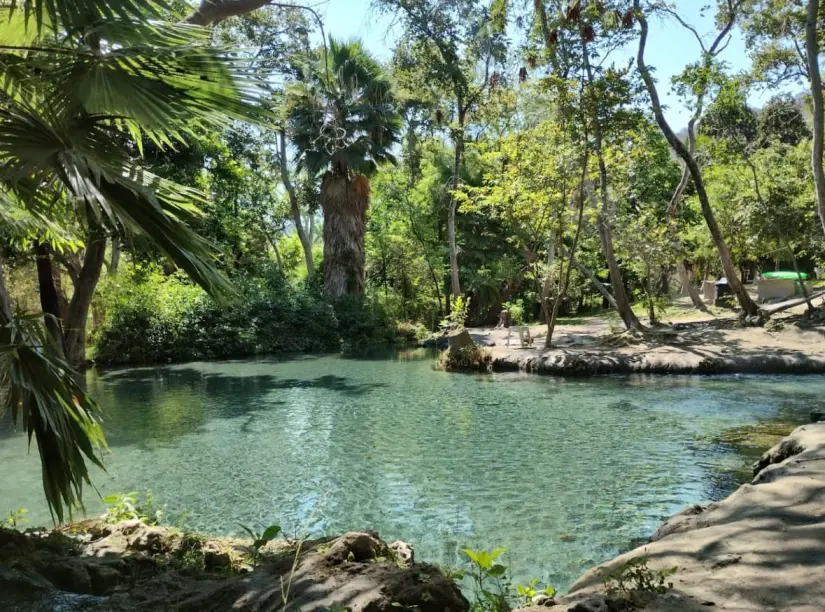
(69, 14)
(80, 158)
(348, 118)
(40, 391)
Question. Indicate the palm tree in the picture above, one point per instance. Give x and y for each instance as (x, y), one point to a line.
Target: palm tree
(82, 84)
(344, 123)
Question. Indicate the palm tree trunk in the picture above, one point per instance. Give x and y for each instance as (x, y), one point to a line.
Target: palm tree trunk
(306, 240)
(812, 54)
(749, 307)
(345, 203)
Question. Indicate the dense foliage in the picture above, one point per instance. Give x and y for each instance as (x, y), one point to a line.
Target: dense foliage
(207, 183)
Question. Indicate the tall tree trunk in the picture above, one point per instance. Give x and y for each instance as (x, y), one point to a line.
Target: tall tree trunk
(564, 281)
(672, 210)
(345, 202)
(303, 236)
(74, 341)
(548, 278)
(458, 142)
(49, 300)
(6, 311)
(749, 307)
(815, 77)
(604, 220)
(115, 261)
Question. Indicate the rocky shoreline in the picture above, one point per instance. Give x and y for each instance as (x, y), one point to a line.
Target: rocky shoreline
(594, 363)
(134, 567)
(760, 550)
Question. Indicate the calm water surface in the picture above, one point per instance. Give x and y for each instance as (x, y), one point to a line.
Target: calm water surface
(563, 473)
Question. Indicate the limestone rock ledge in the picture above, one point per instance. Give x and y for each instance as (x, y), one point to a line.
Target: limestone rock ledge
(131, 566)
(760, 550)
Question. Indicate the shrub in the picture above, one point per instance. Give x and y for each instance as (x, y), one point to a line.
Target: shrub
(516, 309)
(412, 332)
(153, 317)
(633, 580)
(363, 322)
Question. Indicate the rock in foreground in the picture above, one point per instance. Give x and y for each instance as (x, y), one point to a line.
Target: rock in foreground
(131, 566)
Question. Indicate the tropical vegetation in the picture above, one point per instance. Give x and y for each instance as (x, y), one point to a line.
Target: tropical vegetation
(196, 181)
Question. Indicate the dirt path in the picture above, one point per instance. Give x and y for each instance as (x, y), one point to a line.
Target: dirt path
(693, 342)
(760, 550)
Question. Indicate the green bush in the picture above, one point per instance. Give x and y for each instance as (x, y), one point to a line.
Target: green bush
(363, 322)
(468, 358)
(153, 317)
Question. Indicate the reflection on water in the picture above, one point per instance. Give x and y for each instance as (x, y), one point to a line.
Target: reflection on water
(563, 473)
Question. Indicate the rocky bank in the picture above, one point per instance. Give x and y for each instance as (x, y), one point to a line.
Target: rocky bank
(131, 566)
(760, 550)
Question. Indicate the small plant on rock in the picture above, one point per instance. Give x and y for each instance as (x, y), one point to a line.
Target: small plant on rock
(489, 580)
(261, 539)
(15, 518)
(634, 579)
(458, 315)
(132, 506)
(532, 593)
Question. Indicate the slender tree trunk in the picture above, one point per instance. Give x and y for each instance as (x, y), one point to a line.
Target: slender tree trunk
(604, 220)
(303, 236)
(49, 300)
(589, 275)
(74, 342)
(345, 202)
(548, 278)
(672, 210)
(815, 77)
(458, 142)
(115, 261)
(749, 307)
(565, 281)
(6, 311)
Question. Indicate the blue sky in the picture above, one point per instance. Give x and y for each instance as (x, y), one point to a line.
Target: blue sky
(670, 47)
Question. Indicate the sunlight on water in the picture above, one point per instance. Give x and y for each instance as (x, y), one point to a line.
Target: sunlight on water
(563, 473)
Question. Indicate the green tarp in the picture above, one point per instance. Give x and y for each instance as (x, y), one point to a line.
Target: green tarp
(785, 275)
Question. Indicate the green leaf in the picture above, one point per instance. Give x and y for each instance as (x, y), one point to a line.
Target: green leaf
(497, 570)
(271, 532)
(471, 554)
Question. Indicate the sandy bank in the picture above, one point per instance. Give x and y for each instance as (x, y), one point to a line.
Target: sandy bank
(696, 347)
(760, 550)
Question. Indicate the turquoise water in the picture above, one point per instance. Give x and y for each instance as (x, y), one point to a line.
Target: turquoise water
(562, 473)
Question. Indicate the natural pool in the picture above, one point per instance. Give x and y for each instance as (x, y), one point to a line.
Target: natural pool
(563, 473)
